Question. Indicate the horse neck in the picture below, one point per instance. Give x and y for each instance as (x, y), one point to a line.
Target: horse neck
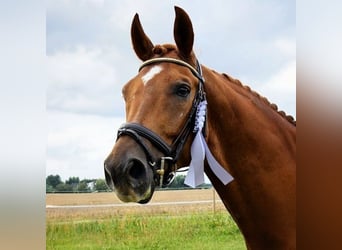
(239, 120)
(257, 146)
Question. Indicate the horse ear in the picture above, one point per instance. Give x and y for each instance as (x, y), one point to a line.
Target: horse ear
(183, 33)
(142, 45)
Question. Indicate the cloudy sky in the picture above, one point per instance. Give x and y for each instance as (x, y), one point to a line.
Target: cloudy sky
(90, 58)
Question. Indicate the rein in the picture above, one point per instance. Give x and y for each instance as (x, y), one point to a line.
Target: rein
(138, 132)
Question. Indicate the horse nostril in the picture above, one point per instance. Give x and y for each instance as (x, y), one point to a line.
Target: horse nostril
(136, 169)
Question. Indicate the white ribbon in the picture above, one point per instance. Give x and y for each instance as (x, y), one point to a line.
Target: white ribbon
(200, 150)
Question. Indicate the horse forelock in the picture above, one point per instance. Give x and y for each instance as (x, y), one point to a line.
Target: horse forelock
(171, 50)
(162, 50)
(289, 118)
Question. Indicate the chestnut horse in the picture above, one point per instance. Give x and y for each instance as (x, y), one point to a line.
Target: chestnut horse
(246, 134)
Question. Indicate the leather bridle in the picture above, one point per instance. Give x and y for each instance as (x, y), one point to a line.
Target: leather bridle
(171, 152)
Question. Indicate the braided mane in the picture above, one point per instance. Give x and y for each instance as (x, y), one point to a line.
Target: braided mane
(289, 118)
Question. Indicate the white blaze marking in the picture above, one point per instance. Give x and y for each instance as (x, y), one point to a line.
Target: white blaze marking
(151, 73)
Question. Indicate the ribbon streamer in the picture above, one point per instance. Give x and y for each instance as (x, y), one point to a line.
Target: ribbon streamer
(200, 150)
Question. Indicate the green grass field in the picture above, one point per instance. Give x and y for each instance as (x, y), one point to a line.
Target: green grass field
(197, 231)
(193, 226)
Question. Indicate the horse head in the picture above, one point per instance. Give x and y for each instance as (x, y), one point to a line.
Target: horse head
(160, 104)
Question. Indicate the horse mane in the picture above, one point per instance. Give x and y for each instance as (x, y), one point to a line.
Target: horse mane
(162, 50)
(289, 118)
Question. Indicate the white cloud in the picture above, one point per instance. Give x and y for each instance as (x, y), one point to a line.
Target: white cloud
(81, 81)
(280, 88)
(78, 67)
(97, 3)
(78, 144)
(286, 46)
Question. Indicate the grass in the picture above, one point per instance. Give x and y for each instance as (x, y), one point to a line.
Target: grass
(167, 227)
(197, 231)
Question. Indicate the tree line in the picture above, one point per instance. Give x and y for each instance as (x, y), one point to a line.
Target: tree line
(54, 184)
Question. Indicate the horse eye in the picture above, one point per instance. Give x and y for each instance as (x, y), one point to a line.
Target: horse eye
(183, 90)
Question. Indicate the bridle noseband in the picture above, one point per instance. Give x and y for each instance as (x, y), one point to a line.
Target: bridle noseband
(172, 153)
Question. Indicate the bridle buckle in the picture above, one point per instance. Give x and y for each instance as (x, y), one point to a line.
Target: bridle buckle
(161, 171)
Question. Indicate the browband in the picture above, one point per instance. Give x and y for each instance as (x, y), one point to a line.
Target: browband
(176, 61)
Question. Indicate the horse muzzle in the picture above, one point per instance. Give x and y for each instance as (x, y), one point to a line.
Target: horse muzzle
(132, 180)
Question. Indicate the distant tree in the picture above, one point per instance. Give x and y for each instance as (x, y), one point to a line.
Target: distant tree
(49, 189)
(100, 185)
(62, 187)
(73, 180)
(178, 182)
(205, 186)
(53, 181)
(83, 187)
(88, 180)
(74, 184)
